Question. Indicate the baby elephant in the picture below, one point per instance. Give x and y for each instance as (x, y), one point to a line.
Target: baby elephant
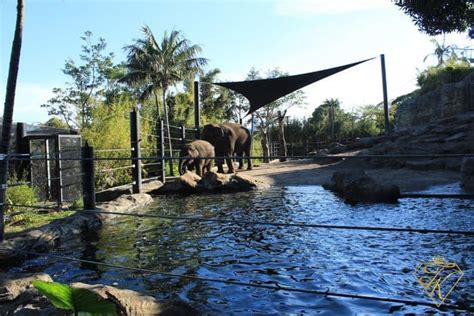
(199, 153)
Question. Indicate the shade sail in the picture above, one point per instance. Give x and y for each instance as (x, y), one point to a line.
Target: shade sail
(264, 91)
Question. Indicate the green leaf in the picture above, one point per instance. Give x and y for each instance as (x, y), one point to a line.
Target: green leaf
(60, 295)
(88, 301)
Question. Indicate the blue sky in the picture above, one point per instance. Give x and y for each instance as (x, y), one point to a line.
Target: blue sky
(295, 35)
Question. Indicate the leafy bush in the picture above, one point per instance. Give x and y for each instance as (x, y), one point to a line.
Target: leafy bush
(433, 77)
(20, 194)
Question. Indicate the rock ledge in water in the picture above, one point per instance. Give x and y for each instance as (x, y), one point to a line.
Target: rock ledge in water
(211, 182)
(356, 186)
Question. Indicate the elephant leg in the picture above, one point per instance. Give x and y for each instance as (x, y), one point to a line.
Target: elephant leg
(220, 167)
(249, 161)
(198, 166)
(230, 165)
(241, 160)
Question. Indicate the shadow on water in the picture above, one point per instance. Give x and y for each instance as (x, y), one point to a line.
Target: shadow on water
(362, 262)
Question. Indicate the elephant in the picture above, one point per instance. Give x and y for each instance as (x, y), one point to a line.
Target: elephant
(199, 153)
(229, 139)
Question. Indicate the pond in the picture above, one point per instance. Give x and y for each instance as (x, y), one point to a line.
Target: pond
(360, 262)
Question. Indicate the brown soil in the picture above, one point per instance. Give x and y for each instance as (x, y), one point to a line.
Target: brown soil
(308, 172)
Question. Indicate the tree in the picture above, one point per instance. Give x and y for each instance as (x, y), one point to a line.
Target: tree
(9, 106)
(441, 51)
(89, 82)
(267, 115)
(435, 17)
(55, 122)
(153, 65)
(215, 100)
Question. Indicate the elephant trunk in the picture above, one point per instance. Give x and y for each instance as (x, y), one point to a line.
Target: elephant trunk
(182, 166)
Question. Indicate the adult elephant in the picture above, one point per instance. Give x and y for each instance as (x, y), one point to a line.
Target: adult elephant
(199, 154)
(229, 138)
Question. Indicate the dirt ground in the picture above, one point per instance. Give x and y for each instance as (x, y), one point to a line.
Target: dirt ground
(308, 172)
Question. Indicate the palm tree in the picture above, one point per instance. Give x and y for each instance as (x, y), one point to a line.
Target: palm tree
(441, 51)
(160, 66)
(9, 105)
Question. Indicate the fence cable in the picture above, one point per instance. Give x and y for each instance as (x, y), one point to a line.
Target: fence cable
(411, 156)
(276, 287)
(264, 223)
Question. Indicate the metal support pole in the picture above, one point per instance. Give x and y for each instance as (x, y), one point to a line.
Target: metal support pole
(136, 153)
(161, 150)
(183, 134)
(21, 148)
(88, 178)
(385, 97)
(197, 110)
(47, 168)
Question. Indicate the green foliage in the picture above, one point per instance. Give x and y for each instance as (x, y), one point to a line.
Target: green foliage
(55, 122)
(77, 300)
(453, 70)
(89, 82)
(435, 17)
(21, 194)
(18, 222)
(215, 100)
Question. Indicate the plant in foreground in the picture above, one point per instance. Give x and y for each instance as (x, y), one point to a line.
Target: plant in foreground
(79, 301)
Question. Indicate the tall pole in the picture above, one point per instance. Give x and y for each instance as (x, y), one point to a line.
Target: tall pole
(197, 111)
(385, 97)
(8, 108)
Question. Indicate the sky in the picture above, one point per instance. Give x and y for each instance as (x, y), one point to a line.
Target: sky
(297, 36)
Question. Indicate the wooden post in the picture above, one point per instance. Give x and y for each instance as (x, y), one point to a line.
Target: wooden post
(88, 177)
(22, 147)
(136, 154)
(197, 110)
(385, 97)
(59, 172)
(161, 150)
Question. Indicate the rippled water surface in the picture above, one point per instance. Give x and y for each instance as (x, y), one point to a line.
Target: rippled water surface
(363, 262)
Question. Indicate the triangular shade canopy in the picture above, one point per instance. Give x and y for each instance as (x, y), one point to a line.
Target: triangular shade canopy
(264, 91)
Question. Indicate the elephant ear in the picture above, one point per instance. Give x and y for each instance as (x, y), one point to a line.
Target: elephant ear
(193, 152)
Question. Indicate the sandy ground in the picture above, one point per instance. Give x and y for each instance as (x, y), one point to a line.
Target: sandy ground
(308, 172)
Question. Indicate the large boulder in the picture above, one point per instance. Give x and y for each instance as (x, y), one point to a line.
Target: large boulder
(467, 174)
(356, 186)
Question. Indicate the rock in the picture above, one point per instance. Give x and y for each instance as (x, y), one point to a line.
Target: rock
(336, 148)
(212, 181)
(19, 297)
(467, 174)
(356, 186)
(134, 303)
(453, 164)
(431, 164)
(450, 99)
(325, 161)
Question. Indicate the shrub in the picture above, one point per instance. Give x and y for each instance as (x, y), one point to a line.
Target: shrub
(453, 70)
(20, 194)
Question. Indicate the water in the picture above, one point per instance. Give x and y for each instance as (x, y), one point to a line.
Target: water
(362, 262)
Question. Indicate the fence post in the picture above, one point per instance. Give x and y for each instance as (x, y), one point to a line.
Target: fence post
(88, 177)
(197, 110)
(385, 97)
(136, 154)
(183, 134)
(59, 170)
(160, 126)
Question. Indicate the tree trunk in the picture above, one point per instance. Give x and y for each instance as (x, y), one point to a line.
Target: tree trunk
(8, 108)
(282, 151)
(158, 113)
(165, 108)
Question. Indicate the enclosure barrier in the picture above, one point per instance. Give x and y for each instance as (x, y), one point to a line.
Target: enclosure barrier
(88, 160)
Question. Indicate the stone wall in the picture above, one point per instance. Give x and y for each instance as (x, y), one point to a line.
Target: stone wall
(450, 99)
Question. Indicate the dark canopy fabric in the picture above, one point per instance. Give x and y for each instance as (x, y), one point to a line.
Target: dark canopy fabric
(264, 91)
